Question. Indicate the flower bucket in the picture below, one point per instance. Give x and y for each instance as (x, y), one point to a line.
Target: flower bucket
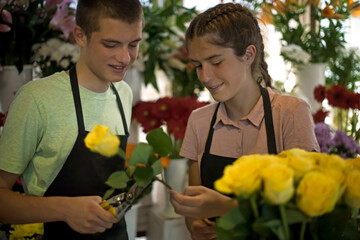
(175, 175)
(10, 82)
(308, 77)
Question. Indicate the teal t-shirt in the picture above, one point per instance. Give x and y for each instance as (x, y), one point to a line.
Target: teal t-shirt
(41, 127)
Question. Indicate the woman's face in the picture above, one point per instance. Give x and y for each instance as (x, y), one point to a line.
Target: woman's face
(223, 73)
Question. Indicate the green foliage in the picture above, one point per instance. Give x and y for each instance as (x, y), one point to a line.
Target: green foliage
(163, 37)
(144, 163)
(241, 223)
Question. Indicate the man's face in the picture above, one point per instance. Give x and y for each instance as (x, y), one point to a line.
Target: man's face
(109, 52)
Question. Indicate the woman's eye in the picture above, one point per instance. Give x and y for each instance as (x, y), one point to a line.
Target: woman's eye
(197, 66)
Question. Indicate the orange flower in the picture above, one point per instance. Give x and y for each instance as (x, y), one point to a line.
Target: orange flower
(129, 148)
(266, 15)
(165, 161)
(280, 7)
(354, 8)
(329, 12)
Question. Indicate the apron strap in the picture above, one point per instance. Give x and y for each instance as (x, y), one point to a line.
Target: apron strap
(211, 130)
(78, 108)
(76, 96)
(270, 133)
(120, 108)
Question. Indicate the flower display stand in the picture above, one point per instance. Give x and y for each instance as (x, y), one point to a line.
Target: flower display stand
(10, 82)
(162, 228)
(308, 77)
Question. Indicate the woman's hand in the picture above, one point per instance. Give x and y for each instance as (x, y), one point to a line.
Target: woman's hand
(200, 230)
(199, 202)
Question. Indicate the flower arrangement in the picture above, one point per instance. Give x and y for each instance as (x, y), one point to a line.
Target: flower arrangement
(163, 49)
(346, 104)
(317, 39)
(55, 55)
(144, 163)
(336, 142)
(292, 195)
(171, 112)
(25, 23)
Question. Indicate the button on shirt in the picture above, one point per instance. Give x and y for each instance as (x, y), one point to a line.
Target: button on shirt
(293, 128)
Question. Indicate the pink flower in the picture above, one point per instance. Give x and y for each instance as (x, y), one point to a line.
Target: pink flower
(63, 20)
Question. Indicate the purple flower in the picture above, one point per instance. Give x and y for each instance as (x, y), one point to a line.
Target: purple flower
(323, 134)
(336, 143)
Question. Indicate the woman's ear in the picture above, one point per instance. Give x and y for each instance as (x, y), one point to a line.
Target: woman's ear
(250, 54)
(79, 36)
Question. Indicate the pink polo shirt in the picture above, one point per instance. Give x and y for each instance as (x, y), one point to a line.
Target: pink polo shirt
(293, 127)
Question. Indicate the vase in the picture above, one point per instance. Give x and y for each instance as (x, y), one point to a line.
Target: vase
(10, 82)
(308, 77)
(175, 175)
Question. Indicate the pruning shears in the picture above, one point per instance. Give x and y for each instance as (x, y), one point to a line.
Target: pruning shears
(119, 204)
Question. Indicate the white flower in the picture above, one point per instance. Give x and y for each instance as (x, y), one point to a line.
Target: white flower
(64, 63)
(296, 53)
(176, 63)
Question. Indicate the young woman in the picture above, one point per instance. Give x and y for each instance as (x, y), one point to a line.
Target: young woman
(226, 46)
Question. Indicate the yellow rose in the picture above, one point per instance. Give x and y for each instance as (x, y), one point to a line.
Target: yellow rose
(278, 183)
(339, 178)
(103, 141)
(299, 160)
(241, 178)
(334, 161)
(316, 194)
(352, 192)
(355, 162)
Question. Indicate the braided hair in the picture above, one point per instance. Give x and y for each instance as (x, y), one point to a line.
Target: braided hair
(234, 26)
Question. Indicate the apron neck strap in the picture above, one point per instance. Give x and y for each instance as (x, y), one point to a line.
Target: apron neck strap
(76, 96)
(270, 134)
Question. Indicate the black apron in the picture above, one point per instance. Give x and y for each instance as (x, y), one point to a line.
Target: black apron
(84, 174)
(212, 166)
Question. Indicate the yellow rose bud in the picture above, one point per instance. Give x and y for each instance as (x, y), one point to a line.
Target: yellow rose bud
(316, 194)
(352, 192)
(241, 178)
(278, 183)
(103, 141)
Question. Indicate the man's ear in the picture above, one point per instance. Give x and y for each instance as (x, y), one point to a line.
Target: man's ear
(80, 36)
(250, 54)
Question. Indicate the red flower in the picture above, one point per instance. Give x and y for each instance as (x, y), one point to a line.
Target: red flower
(320, 116)
(174, 112)
(336, 96)
(2, 119)
(354, 100)
(162, 108)
(319, 93)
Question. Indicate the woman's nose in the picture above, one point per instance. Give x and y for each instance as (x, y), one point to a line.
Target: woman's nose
(205, 74)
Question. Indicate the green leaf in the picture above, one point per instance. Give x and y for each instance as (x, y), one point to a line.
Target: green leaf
(108, 193)
(141, 154)
(122, 153)
(156, 166)
(295, 216)
(118, 180)
(130, 171)
(231, 219)
(143, 175)
(160, 141)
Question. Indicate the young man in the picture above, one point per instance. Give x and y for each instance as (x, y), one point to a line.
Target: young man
(43, 139)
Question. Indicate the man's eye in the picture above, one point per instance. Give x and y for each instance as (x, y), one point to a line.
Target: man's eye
(217, 63)
(109, 45)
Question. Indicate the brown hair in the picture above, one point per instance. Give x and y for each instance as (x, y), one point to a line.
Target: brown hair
(234, 26)
(89, 12)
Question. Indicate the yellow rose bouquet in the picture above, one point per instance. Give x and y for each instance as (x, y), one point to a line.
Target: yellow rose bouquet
(293, 195)
(144, 163)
